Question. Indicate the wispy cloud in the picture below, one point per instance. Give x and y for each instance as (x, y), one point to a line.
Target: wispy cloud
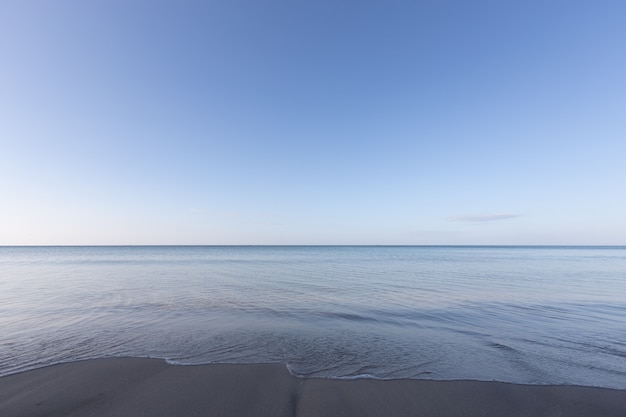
(483, 217)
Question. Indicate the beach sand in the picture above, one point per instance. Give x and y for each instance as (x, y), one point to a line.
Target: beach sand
(150, 387)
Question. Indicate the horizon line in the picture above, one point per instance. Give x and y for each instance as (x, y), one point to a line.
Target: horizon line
(316, 245)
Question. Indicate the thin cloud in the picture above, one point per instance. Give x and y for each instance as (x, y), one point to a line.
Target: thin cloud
(483, 217)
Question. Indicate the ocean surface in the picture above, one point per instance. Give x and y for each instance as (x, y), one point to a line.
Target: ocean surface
(539, 315)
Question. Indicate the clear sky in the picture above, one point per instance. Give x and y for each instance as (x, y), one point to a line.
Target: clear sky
(312, 122)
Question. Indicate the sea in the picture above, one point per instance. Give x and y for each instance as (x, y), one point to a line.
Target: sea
(532, 315)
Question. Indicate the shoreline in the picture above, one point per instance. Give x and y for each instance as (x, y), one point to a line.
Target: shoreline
(152, 387)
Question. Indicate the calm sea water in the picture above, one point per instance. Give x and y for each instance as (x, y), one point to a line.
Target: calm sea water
(544, 315)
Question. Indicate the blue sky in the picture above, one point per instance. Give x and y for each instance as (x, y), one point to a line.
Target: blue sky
(312, 122)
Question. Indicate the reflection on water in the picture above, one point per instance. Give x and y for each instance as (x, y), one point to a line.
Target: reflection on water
(547, 315)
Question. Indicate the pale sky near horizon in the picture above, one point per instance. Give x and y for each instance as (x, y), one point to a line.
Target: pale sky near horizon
(312, 122)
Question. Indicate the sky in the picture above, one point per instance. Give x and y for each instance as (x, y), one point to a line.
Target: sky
(312, 122)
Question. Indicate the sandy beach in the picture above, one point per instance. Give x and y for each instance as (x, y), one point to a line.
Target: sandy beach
(150, 387)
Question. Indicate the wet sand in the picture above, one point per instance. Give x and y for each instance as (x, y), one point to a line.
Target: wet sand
(150, 387)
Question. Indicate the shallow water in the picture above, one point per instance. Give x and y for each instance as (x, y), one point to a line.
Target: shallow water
(545, 315)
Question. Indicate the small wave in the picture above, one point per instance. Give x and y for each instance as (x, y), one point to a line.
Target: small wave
(347, 316)
(502, 347)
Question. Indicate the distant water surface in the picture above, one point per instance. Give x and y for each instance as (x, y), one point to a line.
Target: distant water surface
(543, 315)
